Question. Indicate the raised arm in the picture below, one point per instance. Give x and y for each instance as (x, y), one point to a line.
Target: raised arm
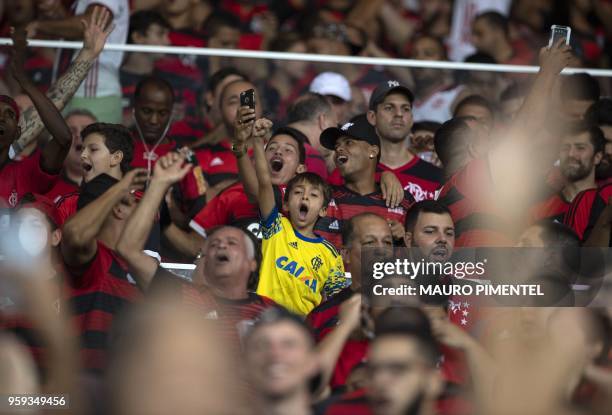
(68, 27)
(56, 150)
(95, 32)
(80, 231)
(243, 127)
(169, 169)
(265, 194)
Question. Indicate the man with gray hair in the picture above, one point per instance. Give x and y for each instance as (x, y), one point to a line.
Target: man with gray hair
(225, 278)
(310, 114)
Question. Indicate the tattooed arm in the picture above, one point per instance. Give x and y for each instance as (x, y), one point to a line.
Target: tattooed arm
(95, 33)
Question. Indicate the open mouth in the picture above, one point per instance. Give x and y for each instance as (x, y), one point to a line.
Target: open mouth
(341, 159)
(87, 167)
(303, 212)
(276, 165)
(222, 257)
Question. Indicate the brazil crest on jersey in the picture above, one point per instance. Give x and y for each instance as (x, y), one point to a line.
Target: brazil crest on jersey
(297, 270)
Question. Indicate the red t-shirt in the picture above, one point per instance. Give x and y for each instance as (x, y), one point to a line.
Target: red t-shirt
(97, 294)
(315, 162)
(67, 206)
(217, 161)
(63, 186)
(22, 177)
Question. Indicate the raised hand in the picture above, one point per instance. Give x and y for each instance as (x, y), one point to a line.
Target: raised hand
(243, 125)
(96, 30)
(134, 180)
(18, 54)
(350, 312)
(556, 58)
(170, 169)
(262, 128)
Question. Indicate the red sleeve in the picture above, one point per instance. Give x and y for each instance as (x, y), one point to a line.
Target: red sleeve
(31, 178)
(215, 213)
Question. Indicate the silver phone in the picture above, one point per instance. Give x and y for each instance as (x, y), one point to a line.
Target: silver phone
(559, 32)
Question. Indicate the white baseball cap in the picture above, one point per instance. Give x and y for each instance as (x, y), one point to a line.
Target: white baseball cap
(331, 83)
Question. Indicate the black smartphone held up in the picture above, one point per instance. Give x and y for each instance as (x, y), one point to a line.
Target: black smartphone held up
(247, 98)
(559, 32)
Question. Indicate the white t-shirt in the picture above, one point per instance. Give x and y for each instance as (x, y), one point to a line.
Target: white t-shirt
(437, 107)
(460, 40)
(103, 78)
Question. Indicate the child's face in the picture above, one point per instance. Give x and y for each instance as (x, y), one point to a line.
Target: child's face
(95, 157)
(305, 204)
(283, 156)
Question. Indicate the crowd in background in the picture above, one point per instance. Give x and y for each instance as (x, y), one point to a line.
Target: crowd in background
(280, 181)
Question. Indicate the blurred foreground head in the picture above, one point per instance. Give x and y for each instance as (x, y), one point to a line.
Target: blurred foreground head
(170, 359)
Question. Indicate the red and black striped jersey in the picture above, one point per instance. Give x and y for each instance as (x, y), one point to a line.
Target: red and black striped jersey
(217, 161)
(63, 186)
(97, 294)
(233, 316)
(419, 177)
(552, 208)
(469, 196)
(345, 204)
(586, 209)
(323, 319)
(67, 206)
(352, 403)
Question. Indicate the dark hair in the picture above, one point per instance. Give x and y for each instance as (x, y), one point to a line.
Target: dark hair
(514, 91)
(424, 206)
(116, 138)
(600, 113)
(436, 39)
(476, 100)
(348, 227)
(299, 138)
(156, 81)
(308, 107)
(141, 20)
(277, 314)
(480, 57)
(218, 77)
(226, 87)
(285, 41)
(410, 322)
(220, 19)
(431, 126)
(580, 86)
(596, 136)
(449, 136)
(496, 20)
(313, 179)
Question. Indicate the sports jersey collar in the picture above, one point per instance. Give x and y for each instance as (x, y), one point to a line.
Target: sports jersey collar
(318, 239)
(374, 193)
(251, 298)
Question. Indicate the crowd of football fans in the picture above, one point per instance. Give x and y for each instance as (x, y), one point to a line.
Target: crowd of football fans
(194, 234)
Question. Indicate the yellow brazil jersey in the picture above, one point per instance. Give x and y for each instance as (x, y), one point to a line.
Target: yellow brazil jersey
(297, 270)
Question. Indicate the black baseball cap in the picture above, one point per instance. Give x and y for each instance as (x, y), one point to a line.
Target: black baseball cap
(357, 128)
(385, 88)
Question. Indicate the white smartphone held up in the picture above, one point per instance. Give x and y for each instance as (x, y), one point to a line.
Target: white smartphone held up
(559, 32)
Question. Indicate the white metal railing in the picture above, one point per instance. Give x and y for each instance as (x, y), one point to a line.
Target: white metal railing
(308, 57)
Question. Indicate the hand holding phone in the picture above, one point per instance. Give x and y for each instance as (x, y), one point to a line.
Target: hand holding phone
(247, 98)
(557, 33)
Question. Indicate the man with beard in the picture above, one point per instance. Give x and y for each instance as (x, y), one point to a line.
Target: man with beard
(391, 114)
(581, 151)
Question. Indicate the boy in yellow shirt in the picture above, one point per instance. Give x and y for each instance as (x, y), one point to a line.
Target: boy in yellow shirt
(298, 266)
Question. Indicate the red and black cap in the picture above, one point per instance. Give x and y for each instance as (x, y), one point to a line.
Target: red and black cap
(42, 204)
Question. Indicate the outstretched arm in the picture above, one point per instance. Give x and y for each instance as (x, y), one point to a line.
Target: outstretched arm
(80, 231)
(67, 28)
(243, 127)
(95, 32)
(169, 169)
(56, 150)
(265, 194)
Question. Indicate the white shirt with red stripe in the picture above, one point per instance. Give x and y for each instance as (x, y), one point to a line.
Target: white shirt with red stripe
(103, 78)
